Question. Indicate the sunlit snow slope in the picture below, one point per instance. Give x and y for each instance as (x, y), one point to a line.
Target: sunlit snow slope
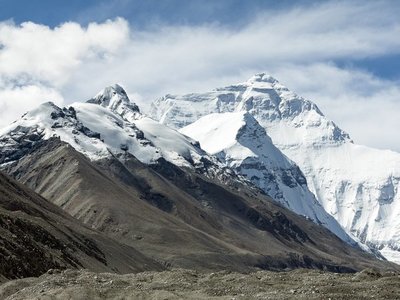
(238, 140)
(106, 125)
(355, 184)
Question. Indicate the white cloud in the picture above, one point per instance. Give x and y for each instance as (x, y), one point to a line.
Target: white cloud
(50, 54)
(296, 46)
(365, 106)
(15, 101)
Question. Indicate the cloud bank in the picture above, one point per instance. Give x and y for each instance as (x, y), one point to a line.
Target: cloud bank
(300, 47)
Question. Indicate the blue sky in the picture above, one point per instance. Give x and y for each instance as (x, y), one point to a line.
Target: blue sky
(140, 13)
(150, 13)
(343, 55)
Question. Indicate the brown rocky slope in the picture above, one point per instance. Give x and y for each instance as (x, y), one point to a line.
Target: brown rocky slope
(182, 218)
(36, 235)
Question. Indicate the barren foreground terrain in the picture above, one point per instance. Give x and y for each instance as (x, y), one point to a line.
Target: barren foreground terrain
(187, 284)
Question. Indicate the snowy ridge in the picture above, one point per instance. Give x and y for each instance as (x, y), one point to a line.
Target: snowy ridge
(265, 98)
(357, 185)
(44, 122)
(106, 125)
(238, 140)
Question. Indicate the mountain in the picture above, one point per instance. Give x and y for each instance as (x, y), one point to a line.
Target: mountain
(239, 140)
(117, 128)
(357, 185)
(154, 189)
(36, 236)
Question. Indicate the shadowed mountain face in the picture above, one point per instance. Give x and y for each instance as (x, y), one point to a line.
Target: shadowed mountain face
(180, 217)
(36, 235)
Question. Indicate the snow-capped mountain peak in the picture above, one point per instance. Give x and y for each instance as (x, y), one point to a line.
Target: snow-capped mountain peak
(357, 185)
(111, 97)
(108, 125)
(116, 99)
(238, 140)
(274, 106)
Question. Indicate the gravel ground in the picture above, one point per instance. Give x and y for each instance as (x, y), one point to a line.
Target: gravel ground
(188, 284)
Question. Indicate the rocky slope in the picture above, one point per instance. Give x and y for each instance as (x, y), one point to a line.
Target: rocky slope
(36, 236)
(357, 185)
(182, 218)
(189, 284)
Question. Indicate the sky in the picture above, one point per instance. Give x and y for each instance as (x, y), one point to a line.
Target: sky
(342, 55)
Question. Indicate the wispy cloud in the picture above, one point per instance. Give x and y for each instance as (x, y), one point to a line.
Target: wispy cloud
(365, 106)
(298, 46)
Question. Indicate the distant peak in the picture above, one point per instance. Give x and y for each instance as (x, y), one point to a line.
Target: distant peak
(262, 77)
(105, 96)
(116, 99)
(116, 89)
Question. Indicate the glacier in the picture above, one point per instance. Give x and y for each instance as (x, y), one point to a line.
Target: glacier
(355, 184)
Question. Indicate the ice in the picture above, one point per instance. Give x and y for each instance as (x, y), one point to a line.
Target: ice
(357, 185)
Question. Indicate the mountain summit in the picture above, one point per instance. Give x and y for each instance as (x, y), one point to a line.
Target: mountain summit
(116, 99)
(264, 97)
